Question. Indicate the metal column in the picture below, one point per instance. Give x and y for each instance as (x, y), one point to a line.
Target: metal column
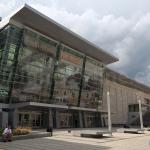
(141, 116)
(109, 114)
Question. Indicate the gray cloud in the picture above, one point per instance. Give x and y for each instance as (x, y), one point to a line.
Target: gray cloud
(127, 38)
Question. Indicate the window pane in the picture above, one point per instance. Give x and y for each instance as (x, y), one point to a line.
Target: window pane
(68, 78)
(91, 95)
(5, 71)
(32, 79)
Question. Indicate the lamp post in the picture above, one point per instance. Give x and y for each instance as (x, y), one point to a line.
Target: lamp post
(141, 116)
(109, 113)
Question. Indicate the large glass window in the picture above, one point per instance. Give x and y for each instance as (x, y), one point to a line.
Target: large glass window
(30, 119)
(26, 68)
(3, 36)
(68, 77)
(91, 119)
(9, 38)
(91, 95)
(3, 86)
(65, 119)
(34, 69)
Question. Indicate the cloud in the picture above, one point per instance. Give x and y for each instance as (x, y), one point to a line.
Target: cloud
(6, 7)
(126, 38)
(134, 51)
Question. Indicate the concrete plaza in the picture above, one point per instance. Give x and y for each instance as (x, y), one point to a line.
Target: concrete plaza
(65, 141)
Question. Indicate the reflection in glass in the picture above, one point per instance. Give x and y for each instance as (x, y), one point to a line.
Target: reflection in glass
(65, 120)
(91, 120)
(30, 119)
(91, 95)
(34, 68)
(68, 77)
(9, 38)
(34, 71)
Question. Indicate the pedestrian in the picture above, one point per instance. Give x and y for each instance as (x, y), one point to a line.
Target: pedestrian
(7, 134)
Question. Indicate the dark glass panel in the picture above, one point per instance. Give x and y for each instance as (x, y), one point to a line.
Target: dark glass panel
(91, 119)
(34, 69)
(91, 95)
(9, 38)
(68, 77)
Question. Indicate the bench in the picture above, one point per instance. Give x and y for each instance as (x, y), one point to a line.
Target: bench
(129, 130)
(92, 134)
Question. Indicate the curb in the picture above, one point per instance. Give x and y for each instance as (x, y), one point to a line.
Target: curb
(28, 136)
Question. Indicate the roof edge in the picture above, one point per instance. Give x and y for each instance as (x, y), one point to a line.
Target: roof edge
(70, 31)
(135, 82)
(7, 20)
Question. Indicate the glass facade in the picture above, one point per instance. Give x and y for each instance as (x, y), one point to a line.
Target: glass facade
(68, 77)
(10, 40)
(27, 69)
(91, 120)
(30, 119)
(65, 120)
(91, 95)
(3, 80)
(34, 69)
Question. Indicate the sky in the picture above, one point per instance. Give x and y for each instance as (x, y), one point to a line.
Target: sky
(121, 27)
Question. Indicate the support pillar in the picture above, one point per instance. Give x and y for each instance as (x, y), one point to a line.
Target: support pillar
(85, 119)
(81, 119)
(1, 118)
(141, 116)
(13, 118)
(57, 119)
(50, 118)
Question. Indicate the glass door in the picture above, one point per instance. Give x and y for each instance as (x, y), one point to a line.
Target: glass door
(30, 119)
(66, 120)
(33, 120)
(36, 120)
(90, 120)
(23, 119)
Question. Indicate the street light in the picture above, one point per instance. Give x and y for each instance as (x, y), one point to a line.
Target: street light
(109, 113)
(141, 116)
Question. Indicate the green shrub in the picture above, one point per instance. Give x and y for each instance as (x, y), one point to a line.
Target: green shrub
(1, 131)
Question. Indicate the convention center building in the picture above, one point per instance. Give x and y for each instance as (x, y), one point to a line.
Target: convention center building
(50, 76)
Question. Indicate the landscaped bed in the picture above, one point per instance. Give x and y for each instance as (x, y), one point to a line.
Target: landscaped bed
(22, 133)
(19, 131)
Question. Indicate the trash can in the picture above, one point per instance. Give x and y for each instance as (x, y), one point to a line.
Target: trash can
(50, 130)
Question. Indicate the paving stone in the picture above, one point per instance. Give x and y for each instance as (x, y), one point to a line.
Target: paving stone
(47, 144)
(119, 141)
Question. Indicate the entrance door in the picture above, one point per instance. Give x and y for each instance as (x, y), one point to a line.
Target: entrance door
(30, 119)
(36, 120)
(23, 119)
(91, 120)
(65, 120)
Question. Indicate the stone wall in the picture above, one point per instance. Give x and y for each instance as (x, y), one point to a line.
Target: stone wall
(121, 96)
